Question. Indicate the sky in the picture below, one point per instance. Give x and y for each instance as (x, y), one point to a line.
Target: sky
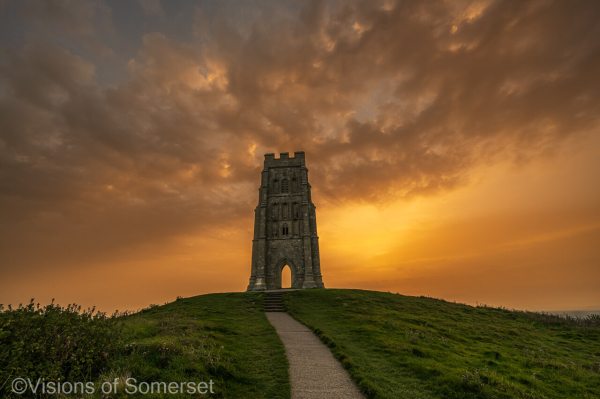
(453, 147)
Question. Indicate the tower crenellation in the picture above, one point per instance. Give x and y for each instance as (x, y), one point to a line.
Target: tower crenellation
(285, 228)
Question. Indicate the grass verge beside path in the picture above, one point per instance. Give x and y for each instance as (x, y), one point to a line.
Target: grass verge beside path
(396, 346)
(223, 337)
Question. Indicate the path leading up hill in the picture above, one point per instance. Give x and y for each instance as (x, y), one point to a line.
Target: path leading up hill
(314, 372)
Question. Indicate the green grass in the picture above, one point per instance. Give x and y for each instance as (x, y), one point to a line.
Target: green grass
(225, 338)
(397, 346)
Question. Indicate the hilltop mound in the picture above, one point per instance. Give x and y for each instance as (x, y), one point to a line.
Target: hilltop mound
(393, 346)
(397, 346)
(223, 338)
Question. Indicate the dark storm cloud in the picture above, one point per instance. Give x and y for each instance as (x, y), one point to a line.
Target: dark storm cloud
(76, 17)
(388, 99)
(79, 19)
(465, 81)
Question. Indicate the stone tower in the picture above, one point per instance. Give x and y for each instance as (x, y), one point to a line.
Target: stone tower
(285, 226)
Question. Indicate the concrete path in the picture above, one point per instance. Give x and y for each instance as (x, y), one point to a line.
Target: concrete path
(314, 372)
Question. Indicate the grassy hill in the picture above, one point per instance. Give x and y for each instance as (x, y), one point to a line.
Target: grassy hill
(225, 338)
(397, 346)
(394, 346)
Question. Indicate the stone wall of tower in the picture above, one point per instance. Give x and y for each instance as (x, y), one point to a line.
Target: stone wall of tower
(285, 229)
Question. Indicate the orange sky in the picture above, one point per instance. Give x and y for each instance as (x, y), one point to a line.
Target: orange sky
(453, 146)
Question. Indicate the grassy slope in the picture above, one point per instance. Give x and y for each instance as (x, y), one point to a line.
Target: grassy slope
(176, 342)
(396, 346)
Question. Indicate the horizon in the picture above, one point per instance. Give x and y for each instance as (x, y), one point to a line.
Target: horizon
(452, 146)
(580, 312)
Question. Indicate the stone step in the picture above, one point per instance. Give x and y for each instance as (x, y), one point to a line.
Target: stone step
(278, 306)
(273, 302)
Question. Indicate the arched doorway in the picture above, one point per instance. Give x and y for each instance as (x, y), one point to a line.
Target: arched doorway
(282, 272)
(286, 277)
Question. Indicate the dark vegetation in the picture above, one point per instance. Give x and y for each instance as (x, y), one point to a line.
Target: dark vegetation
(396, 346)
(54, 342)
(225, 338)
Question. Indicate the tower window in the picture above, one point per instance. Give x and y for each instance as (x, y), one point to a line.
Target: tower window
(284, 186)
(285, 230)
(275, 182)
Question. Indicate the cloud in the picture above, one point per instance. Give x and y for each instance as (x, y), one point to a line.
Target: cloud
(82, 20)
(74, 17)
(152, 7)
(177, 148)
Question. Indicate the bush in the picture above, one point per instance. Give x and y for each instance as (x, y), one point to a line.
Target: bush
(54, 342)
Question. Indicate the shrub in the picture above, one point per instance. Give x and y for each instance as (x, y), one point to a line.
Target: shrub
(54, 342)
